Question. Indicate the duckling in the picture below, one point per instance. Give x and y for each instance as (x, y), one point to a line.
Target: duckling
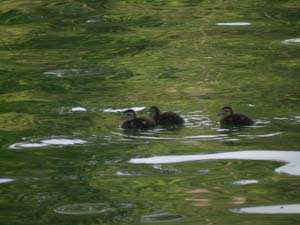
(134, 122)
(229, 118)
(169, 119)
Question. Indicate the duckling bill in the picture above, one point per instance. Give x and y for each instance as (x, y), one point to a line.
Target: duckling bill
(229, 118)
(136, 123)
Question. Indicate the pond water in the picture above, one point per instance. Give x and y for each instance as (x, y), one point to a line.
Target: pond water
(70, 69)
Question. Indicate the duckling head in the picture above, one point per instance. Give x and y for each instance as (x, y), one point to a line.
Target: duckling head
(225, 111)
(129, 114)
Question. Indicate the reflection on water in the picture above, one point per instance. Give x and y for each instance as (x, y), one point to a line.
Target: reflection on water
(5, 180)
(260, 135)
(161, 217)
(234, 24)
(273, 209)
(136, 109)
(47, 142)
(195, 119)
(245, 182)
(74, 72)
(83, 209)
(292, 159)
(212, 137)
(78, 109)
(292, 41)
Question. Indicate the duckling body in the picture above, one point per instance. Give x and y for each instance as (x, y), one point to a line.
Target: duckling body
(169, 119)
(229, 118)
(136, 123)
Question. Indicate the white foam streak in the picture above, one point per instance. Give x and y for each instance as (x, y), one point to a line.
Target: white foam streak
(292, 41)
(245, 182)
(234, 24)
(78, 109)
(136, 109)
(273, 209)
(5, 180)
(292, 158)
(47, 142)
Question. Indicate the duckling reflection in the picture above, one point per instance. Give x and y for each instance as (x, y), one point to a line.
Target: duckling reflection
(136, 123)
(167, 119)
(229, 118)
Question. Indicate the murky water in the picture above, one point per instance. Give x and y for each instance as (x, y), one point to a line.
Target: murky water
(69, 70)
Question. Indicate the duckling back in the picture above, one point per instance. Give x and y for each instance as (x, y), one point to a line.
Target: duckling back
(138, 124)
(236, 119)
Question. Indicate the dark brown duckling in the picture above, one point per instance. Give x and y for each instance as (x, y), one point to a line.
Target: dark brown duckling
(137, 123)
(229, 118)
(169, 119)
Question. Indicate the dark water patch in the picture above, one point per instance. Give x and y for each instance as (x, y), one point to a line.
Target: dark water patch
(273, 209)
(84, 209)
(16, 16)
(291, 158)
(162, 217)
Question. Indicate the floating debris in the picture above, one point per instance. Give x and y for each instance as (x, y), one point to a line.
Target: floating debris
(292, 158)
(84, 209)
(47, 142)
(274, 209)
(245, 182)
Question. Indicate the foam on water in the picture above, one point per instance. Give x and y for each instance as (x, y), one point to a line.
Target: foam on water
(292, 158)
(74, 72)
(234, 24)
(245, 182)
(273, 209)
(47, 142)
(5, 180)
(194, 119)
(194, 137)
(292, 41)
(78, 109)
(136, 109)
(260, 135)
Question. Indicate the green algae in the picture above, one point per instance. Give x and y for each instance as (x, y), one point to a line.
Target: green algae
(119, 54)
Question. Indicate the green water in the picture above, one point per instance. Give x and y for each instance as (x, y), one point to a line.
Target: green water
(57, 55)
